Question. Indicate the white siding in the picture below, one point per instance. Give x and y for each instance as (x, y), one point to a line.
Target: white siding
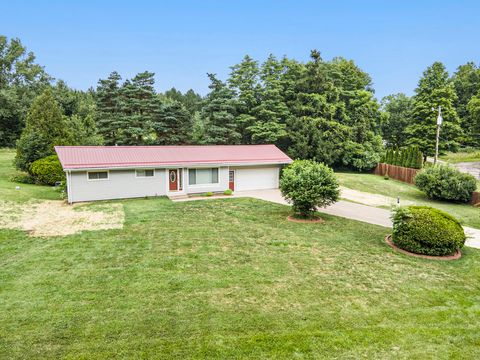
(256, 178)
(120, 184)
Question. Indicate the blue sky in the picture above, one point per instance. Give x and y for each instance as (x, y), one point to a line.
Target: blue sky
(394, 41)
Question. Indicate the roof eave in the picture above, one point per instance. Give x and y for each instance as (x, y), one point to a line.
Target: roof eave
(177, 165)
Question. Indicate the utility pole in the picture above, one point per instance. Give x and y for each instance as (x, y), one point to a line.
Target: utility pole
(437, 139)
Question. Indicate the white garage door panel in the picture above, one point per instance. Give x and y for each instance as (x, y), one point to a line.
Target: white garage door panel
(256, 178)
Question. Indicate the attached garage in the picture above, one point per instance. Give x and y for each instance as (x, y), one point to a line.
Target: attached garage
(256, 178)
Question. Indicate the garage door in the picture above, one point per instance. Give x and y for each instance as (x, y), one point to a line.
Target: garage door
(256, 178)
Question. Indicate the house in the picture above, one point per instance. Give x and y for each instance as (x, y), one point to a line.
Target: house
(117, 172)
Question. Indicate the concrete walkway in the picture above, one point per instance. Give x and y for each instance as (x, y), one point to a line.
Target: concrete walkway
(346, 209)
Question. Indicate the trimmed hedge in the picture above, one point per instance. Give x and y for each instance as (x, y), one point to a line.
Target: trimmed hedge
(47, 171)
(444, 182)
(426, 230)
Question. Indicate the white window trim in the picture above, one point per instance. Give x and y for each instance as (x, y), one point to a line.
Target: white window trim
(107, 171)
(144, 177)
(207, 184)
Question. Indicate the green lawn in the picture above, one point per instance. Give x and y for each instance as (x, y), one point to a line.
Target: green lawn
(467, 214)
(229, 279)
(470, 156)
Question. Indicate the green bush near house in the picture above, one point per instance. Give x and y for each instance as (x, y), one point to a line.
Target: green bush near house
(209, 193)
(308, 185)
(426, 230)
(47, 171)
(442, 182)
(228, 192)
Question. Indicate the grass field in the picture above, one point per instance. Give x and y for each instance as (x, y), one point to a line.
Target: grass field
(229, 278)
(467, 214)
(469, 156)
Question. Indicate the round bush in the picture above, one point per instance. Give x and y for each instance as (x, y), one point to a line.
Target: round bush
(443, 182)
(425, 230)
(47, 171)
(308, 185)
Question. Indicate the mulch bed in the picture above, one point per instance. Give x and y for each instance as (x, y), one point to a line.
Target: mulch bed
(456, 256)
(306, 221)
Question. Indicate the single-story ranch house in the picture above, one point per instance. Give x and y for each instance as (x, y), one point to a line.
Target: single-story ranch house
(117, 172)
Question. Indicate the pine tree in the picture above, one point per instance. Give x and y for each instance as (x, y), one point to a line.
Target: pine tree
(138, 106)
(218, 114)
(108, 108)
(244, 81)
(172, 124)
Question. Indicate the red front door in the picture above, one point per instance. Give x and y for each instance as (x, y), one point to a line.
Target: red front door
(173, 180)
(231, 180)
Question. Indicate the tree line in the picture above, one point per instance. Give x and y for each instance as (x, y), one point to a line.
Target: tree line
(412, 120)
(317, 109)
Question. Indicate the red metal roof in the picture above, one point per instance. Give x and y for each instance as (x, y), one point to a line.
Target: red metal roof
(88, 157)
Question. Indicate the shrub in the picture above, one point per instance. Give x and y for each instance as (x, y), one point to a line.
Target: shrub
(425, 230)
(62, 190)
(228, 192)
(47, 171)
(444, 182)
(23, 178)
(209, 193)
(362, 157)
(308, 185)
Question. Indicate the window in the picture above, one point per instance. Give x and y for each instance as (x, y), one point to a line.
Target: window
(145, 173)
(98, 175)
(202, 176)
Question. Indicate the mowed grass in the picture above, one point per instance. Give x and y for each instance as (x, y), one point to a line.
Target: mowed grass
(27, 192)
(230, 279)
(468, 156)
(466, 214)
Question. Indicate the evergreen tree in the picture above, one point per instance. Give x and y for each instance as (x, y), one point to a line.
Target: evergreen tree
(271, 113)
(138, 105)
(420, 157)
(434, 89)
(172, 124)
(244, 81)
(219, 113)
(409, 157)
(402, 157)
(45, 128)
(108, 108)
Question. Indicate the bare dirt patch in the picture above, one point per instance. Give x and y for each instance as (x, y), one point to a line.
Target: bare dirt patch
(56, 218)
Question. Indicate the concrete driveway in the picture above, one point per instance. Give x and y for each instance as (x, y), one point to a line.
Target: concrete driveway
(346, 209)
(350, 210)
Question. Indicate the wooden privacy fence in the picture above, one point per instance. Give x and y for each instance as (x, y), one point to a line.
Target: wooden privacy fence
(475, 198)
(396, 172)
(408, 174)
